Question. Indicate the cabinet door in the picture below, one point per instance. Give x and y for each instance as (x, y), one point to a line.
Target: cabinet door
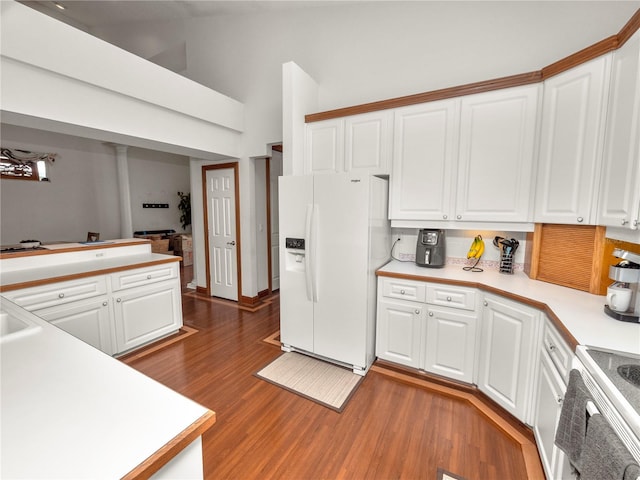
(550, 391)
(146, 313)
(399, 331)
(506, 369)
(573, 119)
(620, 191)
(324, 147)
(424, 158)
(88, 320)
(450, 344)
(368, 139)
(497, 139)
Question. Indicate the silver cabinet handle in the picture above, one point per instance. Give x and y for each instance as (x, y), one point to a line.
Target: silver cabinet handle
(232, 243)
(61, 295)
(401, 292)
(119, 300)
(560, 400)
(552, 347)
(459, 217)
(448, 299)
(636, 222)
(148, 277)
(624, 221)
(104, 304)
(431, 314)
(417, 311)
(444, 217)
(485, 303)
(580, 219)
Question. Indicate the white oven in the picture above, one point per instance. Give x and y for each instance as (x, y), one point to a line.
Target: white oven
(615, 398)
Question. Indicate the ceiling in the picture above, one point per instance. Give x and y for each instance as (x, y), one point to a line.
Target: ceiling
(88, 14)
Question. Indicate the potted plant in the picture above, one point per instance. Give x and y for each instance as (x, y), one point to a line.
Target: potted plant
(185, 209)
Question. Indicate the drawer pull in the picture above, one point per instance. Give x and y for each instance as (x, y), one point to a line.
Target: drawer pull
(431, 314)
(448, 299)
(552, 347)
(444, 217)
(560, 400)
(119, 300)
(401, 292)
(418, 312)
(104, 304)
(61, 295)
(485, 303)
(459, 217)
(148, 277)
(580, 219)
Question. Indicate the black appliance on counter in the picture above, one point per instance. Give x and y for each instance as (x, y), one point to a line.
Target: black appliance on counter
(430, 248)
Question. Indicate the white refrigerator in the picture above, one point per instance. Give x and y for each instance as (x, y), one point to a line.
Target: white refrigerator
(334, 234)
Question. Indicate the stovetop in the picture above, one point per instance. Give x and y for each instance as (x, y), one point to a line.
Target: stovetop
(609, 363)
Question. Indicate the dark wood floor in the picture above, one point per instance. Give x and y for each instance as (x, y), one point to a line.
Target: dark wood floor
(391, 428)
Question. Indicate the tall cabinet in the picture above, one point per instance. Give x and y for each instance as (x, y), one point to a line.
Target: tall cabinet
(620, 191)
(571, 143)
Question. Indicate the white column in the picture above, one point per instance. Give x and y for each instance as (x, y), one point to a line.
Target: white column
(126, 223)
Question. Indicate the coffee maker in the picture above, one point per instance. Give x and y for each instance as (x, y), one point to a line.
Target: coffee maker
(623, 300)
(430, 249)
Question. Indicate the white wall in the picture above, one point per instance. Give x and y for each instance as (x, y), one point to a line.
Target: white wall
(83, 193)
(157, 177)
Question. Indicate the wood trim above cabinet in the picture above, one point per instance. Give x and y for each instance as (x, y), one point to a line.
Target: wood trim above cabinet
(586, 54)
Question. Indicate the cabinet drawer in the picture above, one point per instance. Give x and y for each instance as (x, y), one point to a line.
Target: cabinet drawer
(405, 289)
(143, 276)
(560, 353)
(448, 296)
(58, 293)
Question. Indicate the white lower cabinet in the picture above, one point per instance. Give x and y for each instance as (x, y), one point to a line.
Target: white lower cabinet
(88, 320)
(507, 357)
(114, 313)
(146, 313)
(399, 332)
(450, 344)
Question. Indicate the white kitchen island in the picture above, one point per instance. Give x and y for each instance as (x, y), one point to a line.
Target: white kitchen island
(69, 410)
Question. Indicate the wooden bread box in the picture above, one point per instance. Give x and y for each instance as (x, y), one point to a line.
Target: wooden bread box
(575, 256)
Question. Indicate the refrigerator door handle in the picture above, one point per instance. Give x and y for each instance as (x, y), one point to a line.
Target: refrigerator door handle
(308, 274)
(313, 262)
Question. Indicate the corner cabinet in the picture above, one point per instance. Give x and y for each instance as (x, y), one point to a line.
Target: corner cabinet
(620, 190)
(507, 358)
(466, 159)
(350, 144)
(571, 143)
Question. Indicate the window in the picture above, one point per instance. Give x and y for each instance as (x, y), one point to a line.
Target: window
(25, 165)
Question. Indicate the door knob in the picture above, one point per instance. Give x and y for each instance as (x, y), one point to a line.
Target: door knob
(232, 243)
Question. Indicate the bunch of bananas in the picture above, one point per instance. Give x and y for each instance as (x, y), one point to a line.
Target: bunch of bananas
(477, 248)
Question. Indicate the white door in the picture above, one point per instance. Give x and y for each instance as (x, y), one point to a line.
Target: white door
(221, 212)
(399, 332)
(275, 171)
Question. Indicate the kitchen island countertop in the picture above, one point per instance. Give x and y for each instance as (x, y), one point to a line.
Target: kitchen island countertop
(71, 411)
(581, 314)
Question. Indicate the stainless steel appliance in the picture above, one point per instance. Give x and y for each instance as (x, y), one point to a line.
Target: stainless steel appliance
(431, 248)
(623, 301)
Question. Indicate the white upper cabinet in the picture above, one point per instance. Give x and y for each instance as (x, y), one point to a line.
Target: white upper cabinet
(466, 159)
(354, 143)
(425, 147)
(620, 190)
(497, 145)
(368, 139)
(324, 146)
(571, 143)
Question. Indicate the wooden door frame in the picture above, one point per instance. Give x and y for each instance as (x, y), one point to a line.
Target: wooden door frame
(205, 197)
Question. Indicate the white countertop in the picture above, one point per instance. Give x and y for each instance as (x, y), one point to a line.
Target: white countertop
(71, 411)
(580, 312)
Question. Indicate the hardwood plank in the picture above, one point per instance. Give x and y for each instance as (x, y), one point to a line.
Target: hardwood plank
(391, 428)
